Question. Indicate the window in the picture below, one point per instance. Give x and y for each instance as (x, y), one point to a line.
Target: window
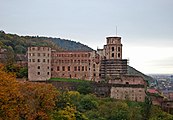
(57, 68)
(44, 60)
(63, 68)
(48, 54)
(38, 73)
(119, 55)
(94, 74)
(85, 68)
(93, 65)
(29, 60)
(112, 48)
(127, 83)
(38, 67)
(119, 49)
(38, 60)
(68, 68)
(38, 54)
(78, 68)
(82, 68)
(44, 54)
(33, 60)
(33, 54)
(33, 48)
(48, 61)
(48, 67)
(113, 55)
(47, 73)
(75, 68)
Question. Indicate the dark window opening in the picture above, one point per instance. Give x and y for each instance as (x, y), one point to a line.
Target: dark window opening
(118, 54)
(119, 49)
(63, 68)
(68, 68)
(127, 83)
(57, 68)
(38, 67)
(112, 48)
(112, 54)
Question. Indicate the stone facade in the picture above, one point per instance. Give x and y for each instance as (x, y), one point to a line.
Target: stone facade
(79, 65)
(104, 64)
(88, 65)
(39, 63)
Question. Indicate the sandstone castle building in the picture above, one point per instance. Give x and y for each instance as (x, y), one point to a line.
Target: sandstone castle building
(104, 64)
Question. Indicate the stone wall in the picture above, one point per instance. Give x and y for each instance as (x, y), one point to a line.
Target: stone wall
(39, 63)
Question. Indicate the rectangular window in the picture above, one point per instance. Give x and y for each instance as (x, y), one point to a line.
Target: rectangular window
(82, 68)
(85, 68)
(48, 61)
(68, 68)
(63, 68)
(119, 55)
(75, 68)
(47, 73)
(44, 60)
(112, 48)
(112, 54)
(57, 68)
(119, 49)
(78, 68)
(33, 54)
(38, 60)
(33, 60)
(38, 67)
(38, 73)
(44, 54)
(38, 54)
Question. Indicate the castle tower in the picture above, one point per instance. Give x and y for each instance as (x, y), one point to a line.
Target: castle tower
(112, 65)
(39, 63)
(113, 48)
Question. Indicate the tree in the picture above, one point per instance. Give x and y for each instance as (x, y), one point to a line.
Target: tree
(9, 96)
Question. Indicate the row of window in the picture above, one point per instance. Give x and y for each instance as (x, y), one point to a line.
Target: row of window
(75, 68)
(39, 67)
(38, 54)
(71, 61)
(39, 48)
(119, 49)
(39, 60)
(119, 55)
(126, 91)
(72, 55)
(39, 73)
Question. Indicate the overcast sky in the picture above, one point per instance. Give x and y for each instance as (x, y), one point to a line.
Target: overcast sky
(146, 26)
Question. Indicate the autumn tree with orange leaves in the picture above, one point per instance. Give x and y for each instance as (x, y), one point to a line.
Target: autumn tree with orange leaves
(25, 100)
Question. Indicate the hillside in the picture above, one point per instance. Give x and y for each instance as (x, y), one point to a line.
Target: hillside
(18, 44)
(133, 71)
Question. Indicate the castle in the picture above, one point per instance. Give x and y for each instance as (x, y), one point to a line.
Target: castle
(104, 64)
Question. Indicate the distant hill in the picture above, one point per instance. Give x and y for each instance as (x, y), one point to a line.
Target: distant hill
(133, 71)
(71, 45)
(18, 44)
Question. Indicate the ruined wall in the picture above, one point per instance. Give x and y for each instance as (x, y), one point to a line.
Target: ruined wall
(39, 63)
(129, 79)
(132, 93)
(75, 64)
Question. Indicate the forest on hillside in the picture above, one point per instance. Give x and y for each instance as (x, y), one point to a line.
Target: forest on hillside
(18, 44)
(41, 101)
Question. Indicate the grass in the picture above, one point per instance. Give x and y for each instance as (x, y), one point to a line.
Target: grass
(67, 80)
